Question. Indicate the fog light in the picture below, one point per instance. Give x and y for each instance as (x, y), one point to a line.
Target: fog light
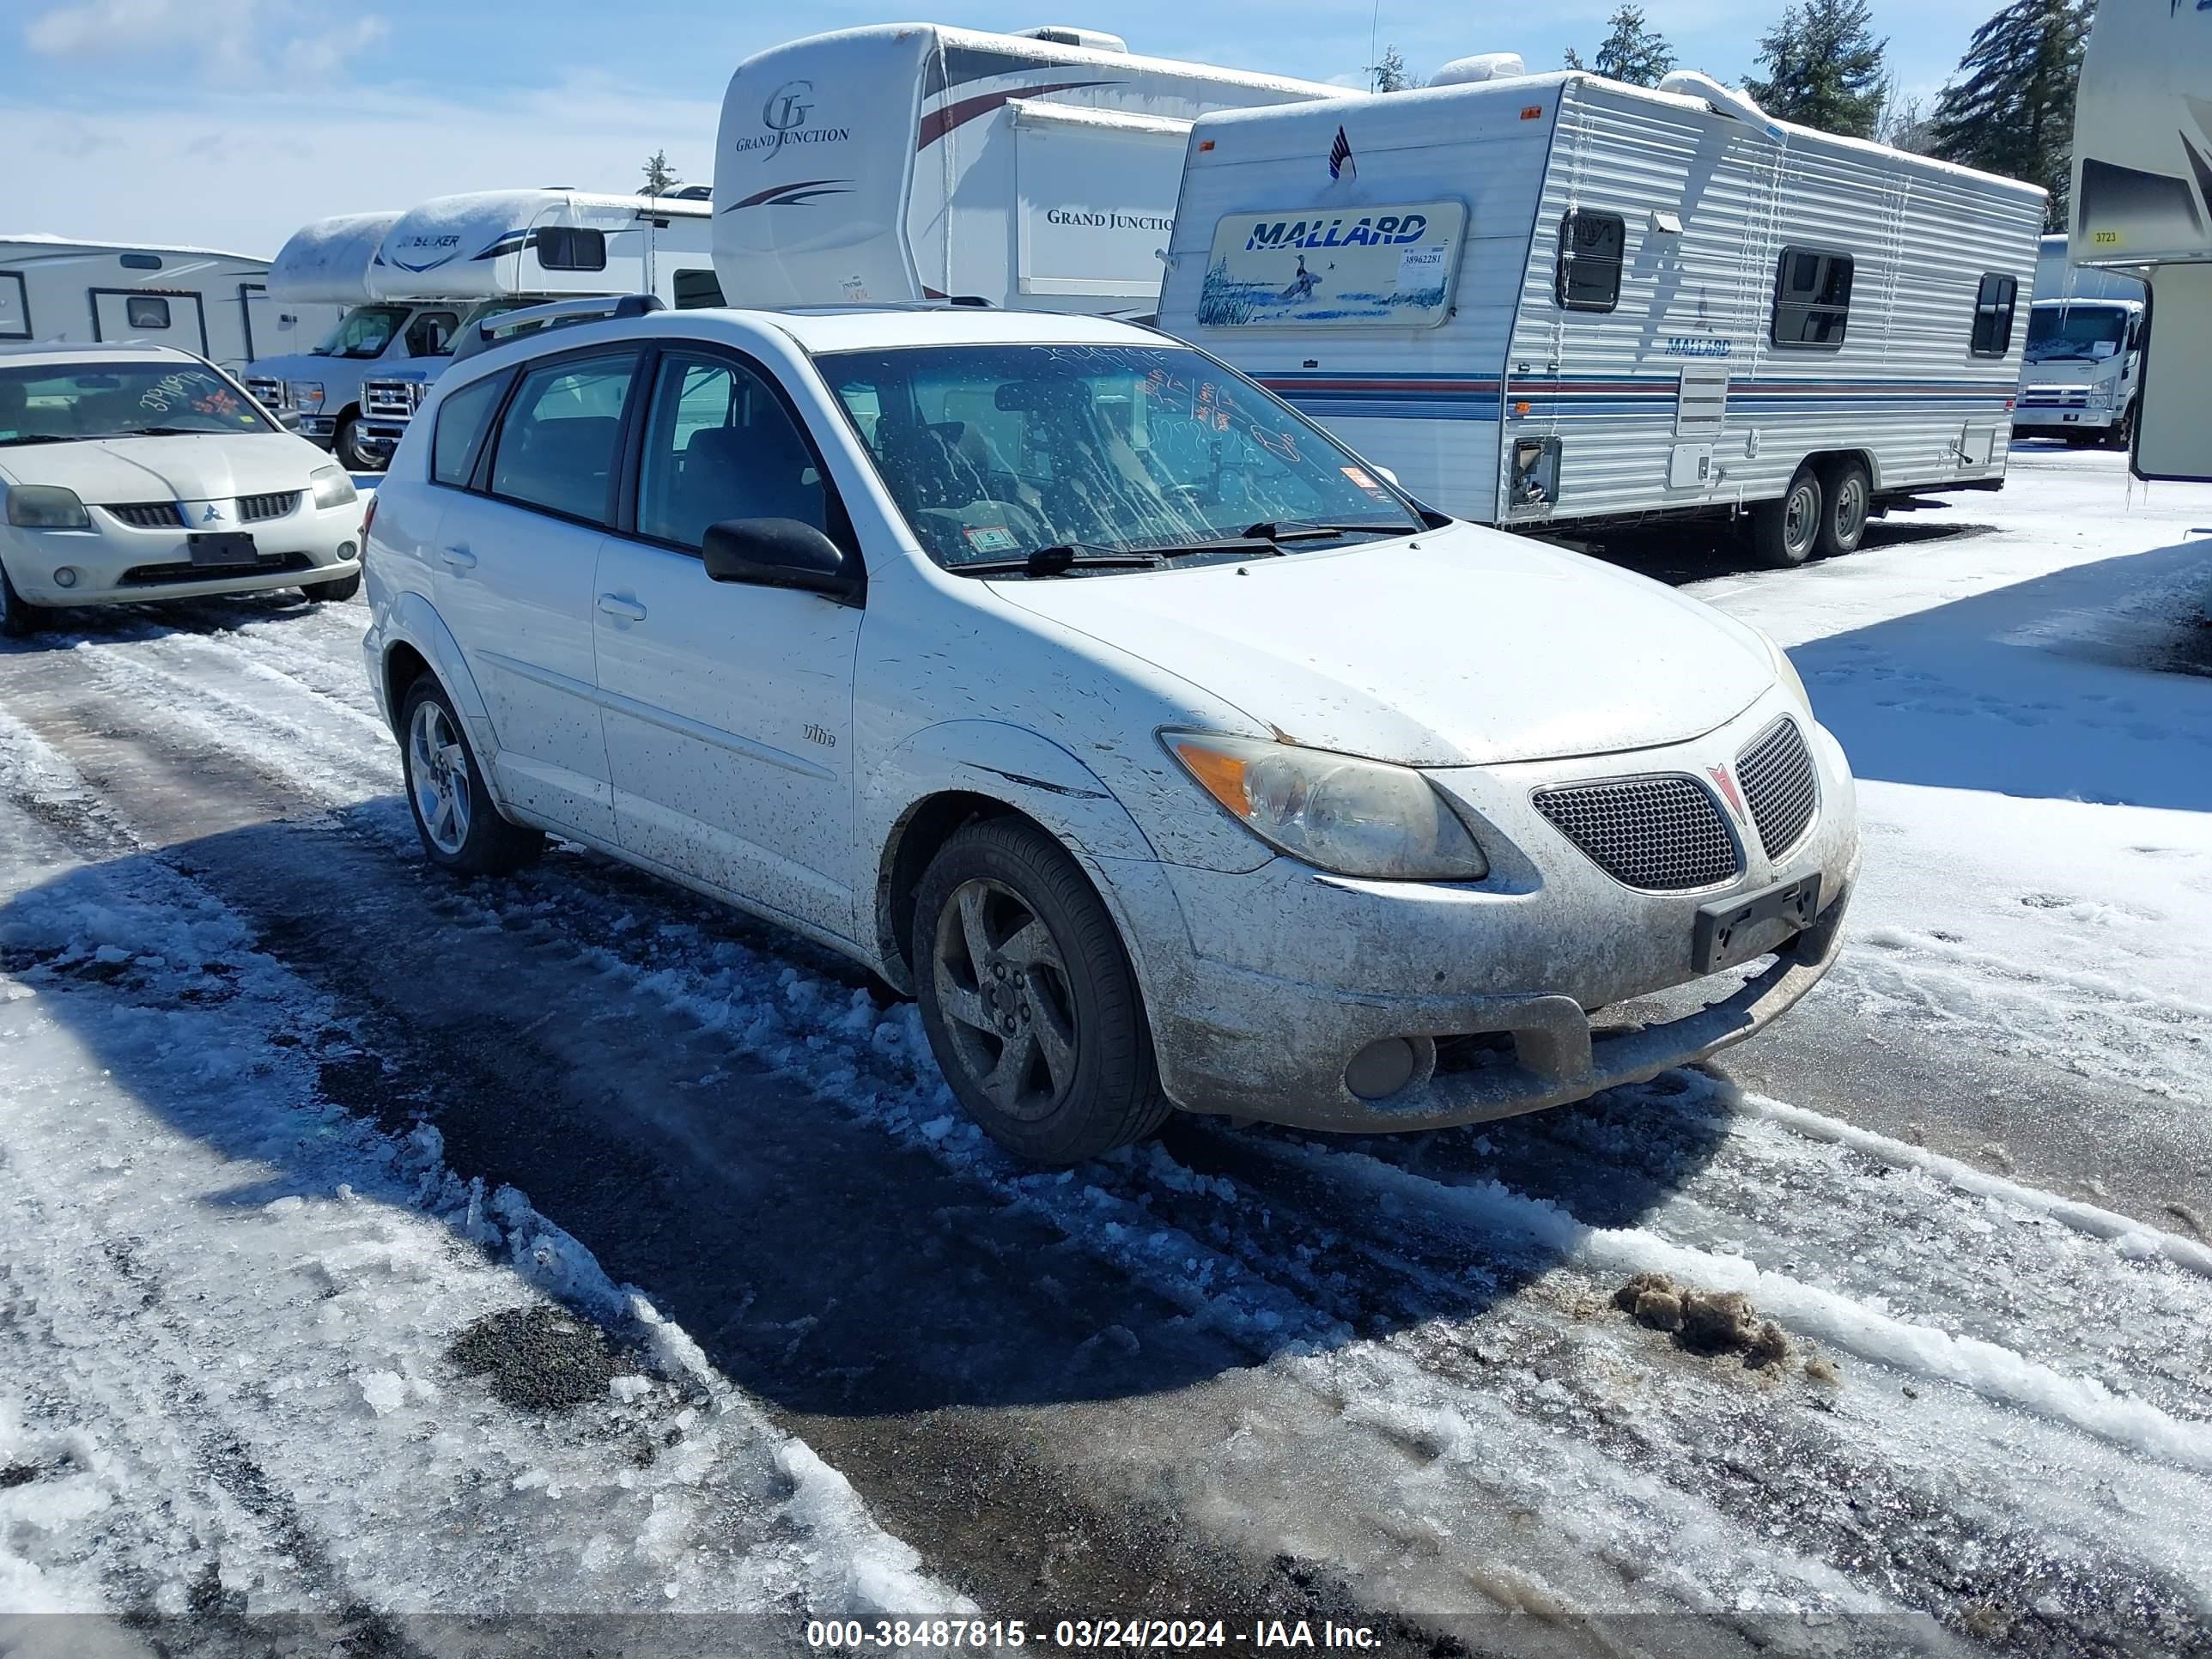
(66, 576)
(1381, 1068)
(346, 550)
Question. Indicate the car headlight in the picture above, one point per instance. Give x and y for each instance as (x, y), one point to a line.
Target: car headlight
(1786, 672)
(47, 507)
(333, 488)
(307, 394)
(1350, 816)
(2100, 395)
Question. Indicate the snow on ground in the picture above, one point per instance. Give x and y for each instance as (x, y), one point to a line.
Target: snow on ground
(1987, 1407)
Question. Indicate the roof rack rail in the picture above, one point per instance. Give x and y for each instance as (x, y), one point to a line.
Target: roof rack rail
(592, 308)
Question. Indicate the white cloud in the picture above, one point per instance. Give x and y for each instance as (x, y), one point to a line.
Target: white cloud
(234, 40)
(197, 172)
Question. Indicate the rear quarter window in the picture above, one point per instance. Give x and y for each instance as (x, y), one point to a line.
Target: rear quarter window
(462, 420)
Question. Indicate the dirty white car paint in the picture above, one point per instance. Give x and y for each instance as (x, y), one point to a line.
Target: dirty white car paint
(1312, 937)
(143, 472)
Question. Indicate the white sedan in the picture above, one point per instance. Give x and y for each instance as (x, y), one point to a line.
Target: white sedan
(1169, 754)
(143, 472)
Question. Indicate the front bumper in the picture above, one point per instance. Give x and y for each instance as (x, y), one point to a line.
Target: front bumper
(118, 564)
(1276, 979)
(2034, 422)
(378, 439)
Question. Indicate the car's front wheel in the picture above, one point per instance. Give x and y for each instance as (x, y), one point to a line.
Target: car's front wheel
(1031, 1004)
(460, 828)
(17, 617)
(335, 591)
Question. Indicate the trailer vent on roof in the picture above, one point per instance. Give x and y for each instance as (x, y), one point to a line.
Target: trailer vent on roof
(1062, 35)
(1483, 66)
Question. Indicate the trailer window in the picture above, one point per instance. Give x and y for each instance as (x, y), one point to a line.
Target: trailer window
(15, 306)
(696, 290)
(141, 311)
(1590, 247)
(1812, 300)
(566, 248)
(1994, 305)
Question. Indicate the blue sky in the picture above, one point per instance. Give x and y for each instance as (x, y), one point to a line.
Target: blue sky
(227, 122)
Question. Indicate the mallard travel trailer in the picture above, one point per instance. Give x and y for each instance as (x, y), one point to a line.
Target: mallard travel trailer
(214, 305)
(422, 276)
(910, 161)
(2142, 206)
(1554, 299)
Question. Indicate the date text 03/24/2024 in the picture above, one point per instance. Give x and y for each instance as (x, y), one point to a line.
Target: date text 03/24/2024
(1086, 1635)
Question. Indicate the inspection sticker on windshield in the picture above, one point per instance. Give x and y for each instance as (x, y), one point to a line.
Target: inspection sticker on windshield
(992, 539)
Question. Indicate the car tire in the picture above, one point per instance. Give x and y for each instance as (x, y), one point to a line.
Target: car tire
(1030, 1003)
(461, 829)
(18, 617)
(1846, 505)
(1782, 533)
(345, 443)
(334, 591)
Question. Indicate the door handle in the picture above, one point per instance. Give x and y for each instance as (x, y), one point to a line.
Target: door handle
(615, 606)
(457, 558)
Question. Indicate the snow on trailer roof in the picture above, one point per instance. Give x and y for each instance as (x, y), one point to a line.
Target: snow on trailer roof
(1519, 86)
(44, 238)
(326, 261)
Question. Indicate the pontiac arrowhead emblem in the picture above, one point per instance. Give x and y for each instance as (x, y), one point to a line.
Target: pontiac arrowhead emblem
(1729, 792)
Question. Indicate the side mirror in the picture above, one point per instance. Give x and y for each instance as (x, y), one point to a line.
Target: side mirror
(290, 419)
(781, 553)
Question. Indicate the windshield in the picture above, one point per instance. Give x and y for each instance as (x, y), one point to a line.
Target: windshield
(364, 331)
(59, 401)
(994, 451)
(2060, 332)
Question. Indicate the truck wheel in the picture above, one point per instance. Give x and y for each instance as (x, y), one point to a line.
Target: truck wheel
(17, 618)
(1031, 1006)
(461, 829)
(333, 592)
(1847, 501)
(1782, 533)
(347, 444)
(2121, 434)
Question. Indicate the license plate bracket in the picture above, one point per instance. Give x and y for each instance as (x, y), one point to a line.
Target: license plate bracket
(221, 548)
(1734, 931)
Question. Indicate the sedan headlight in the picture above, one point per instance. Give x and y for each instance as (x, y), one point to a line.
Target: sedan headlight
(47, 507)
(1786, 672)
(1352, 816)
(333, 487)
(307, 394)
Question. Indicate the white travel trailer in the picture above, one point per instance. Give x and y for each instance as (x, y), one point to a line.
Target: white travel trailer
(1553, 299)
(911, 161)
(2143, 205)
(214, 305)
(453, 260)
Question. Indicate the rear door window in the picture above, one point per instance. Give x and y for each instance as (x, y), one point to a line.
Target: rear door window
(557, 444)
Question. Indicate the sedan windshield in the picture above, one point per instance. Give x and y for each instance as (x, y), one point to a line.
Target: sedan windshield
(1100, 455)
(2056, 332)
(364, 331)
(57, 402)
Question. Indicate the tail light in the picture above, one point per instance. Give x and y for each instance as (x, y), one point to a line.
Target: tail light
(367, 520)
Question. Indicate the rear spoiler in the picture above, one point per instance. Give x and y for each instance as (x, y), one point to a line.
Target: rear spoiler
(513, 325)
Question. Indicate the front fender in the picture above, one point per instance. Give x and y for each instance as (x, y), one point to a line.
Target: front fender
(1035, 776)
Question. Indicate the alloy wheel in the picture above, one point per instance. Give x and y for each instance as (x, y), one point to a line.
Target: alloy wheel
(438, 774)
(1003, 986)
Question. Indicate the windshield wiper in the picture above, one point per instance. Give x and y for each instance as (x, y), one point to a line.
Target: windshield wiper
(1299, 529)
(156, 432)
(1064, 556)
(37, 438)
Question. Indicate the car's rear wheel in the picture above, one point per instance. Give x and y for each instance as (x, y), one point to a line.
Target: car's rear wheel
(1847, 500)
(1031, 1002)
(333, 592)
(454, 812)
(17, 618)
(1782, 533)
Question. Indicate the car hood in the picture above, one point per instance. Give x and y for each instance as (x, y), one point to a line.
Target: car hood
(1461, 646)
(300, 366)
(219, 466)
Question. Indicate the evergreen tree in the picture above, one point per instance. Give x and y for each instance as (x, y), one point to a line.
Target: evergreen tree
(1634, 52)
(1574, 59)
(1389, 74)
(1823, 68)
(2010, 107)
(660, 177)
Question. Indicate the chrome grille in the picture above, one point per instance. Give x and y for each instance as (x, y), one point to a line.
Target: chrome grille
(2054, 397)
(1663, 834)
(252, 509)
(392, 399)
(1779, 786)
(150, 515)
(268, 392)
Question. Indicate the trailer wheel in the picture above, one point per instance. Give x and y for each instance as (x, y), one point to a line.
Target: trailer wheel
(1782, 533)
(1847, 501)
